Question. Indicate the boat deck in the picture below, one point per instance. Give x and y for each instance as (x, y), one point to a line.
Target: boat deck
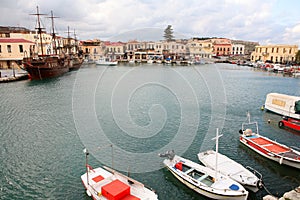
(274, 147)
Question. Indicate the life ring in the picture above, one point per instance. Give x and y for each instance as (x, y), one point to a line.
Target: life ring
(280, 124)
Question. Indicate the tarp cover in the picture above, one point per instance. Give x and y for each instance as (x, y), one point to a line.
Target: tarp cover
(297, 107)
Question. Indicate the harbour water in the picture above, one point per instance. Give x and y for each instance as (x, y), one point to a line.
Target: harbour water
(141, 110)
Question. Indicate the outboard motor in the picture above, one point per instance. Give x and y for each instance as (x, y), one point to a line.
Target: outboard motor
(169, 154)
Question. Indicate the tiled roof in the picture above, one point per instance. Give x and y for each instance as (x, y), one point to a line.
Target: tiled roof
(14, 40)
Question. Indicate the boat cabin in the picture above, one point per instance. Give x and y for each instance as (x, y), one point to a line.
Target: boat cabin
(283, 104)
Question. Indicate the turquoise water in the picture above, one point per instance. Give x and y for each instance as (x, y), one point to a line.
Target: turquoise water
(141, 110)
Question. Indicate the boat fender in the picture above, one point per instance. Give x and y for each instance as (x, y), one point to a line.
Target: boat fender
(178, 166)
(280, 124)
(259, 184)
(88, 193)
(281, 159)
(234, 187)
(241, 131)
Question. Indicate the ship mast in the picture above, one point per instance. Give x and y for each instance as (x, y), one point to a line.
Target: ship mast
(53, 33)
(39, 28)
(69, 41)
(75, 43)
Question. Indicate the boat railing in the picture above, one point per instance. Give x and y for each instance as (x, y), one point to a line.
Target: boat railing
(249, 123)
(255, 172)
(132, 181)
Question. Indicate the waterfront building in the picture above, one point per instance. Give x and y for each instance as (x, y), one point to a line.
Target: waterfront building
(221, 46)
(238, 49)
(200, 48)
(115, 50)
(275, 53)
(12, 51)
(92, 49)
(249, 46)
(176, 49)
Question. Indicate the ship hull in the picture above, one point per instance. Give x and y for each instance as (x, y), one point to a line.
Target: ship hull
(45, 67)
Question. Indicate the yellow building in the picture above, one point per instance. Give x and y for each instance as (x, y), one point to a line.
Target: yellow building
(200, 48)
(92, 49)
(275, 53)
(12, 51)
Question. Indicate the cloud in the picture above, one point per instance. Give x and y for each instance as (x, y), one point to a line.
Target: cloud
(292, 35)
(253, 20)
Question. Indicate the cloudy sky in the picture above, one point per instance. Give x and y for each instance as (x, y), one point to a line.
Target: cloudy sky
(266, 22)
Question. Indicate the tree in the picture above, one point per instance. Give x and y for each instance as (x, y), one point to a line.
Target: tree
(169, 33)
(298, 57)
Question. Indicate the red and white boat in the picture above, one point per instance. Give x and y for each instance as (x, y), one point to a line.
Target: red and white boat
(108, 184)
(289, 123)
(268, 148)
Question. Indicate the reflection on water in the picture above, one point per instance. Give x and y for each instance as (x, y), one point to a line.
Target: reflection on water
(41, 151)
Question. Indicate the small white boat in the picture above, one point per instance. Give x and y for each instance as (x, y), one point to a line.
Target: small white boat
(283, 104)
(105, 184)
(106, 62)
(203, 180)
(150, 61)
(232, 169)
(88, 61)
(228, 167)
(131, 62)
(268, 148)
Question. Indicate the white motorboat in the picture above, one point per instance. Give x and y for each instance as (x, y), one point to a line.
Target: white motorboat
(203, 180)
(283, 104)
(232, 169)
(105, 184)
(228, 167)
(106, 62)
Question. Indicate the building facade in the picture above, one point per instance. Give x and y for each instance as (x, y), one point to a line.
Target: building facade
(238, 49)
(221, 46)
(200, 49)
(12, 51)
(275, 53)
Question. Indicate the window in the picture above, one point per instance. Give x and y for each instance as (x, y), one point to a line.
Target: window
(21, 48)
(9, 48)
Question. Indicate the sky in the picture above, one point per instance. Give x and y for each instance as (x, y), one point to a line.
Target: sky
(266, 22)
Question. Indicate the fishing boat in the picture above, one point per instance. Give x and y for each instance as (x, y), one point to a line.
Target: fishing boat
(247, 176)
(289, 123)
(268, 148)
(108, 184)
(228, 167)
(283, 104)
(44, 66)
(106, 62)
(203, 180)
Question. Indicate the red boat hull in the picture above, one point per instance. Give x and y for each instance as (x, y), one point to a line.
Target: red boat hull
(290, 123)
(272, 150)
